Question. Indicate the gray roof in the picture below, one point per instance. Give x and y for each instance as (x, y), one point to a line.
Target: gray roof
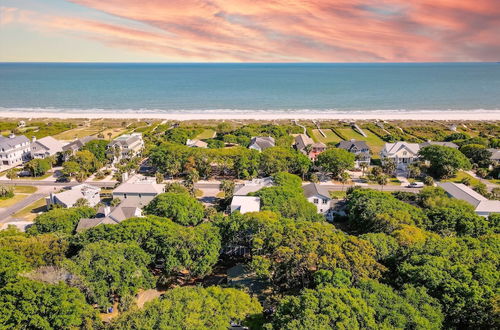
(78, 143)
(392, 148)
(495, 154)
(88, 223)
(435, 143)
(50, 144)
(460, 191)
(315, 189)
(126, 139)
(349, 145)
(252, 186)
(263, 142)
(302, 140)
(10, 142)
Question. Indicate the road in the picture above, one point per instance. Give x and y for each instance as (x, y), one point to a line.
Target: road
(6, 215)
(38, 183)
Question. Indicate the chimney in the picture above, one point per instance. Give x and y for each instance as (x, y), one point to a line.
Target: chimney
(33, 139)
(107, 210)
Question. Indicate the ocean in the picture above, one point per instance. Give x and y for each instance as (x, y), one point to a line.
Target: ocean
(309, 88)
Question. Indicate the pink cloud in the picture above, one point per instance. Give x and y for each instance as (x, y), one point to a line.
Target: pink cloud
(297, 30)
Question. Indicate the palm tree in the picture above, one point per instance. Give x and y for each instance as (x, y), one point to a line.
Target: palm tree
(364, 167)
(109, 135)
(382, 181)
(344, 178)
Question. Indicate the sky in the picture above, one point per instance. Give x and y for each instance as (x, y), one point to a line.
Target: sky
(249, 30)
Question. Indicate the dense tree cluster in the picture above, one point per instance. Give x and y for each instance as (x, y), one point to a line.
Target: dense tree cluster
(179, 207)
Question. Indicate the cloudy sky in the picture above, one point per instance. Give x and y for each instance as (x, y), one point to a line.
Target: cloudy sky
(250, 30)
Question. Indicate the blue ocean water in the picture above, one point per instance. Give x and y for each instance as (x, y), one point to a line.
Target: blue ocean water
(233, 87)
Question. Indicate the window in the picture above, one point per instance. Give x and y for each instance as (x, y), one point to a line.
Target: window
(325, 201)
(315, 201)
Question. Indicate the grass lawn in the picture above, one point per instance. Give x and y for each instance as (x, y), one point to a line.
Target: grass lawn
(77, 133)
(461, 175)
(25, 189)
(114, 132)
(45, 176)
(495, 181)
(13, 200)
(338, 194)
(374, 142)
(206, 134)
(31, 211)
(330, 136)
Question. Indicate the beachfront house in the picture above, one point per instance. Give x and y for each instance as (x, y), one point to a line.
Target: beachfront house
(195, 143)
(483, 206)
(144, 189)
(245, 204)
(495, 156)
(261, 143)
(360, 149)
(76, 145)
(14, 150)
(436, 143)
(126, 146)
(129, 208)
(402, 153)
(308, 147)
(45, 147)
(68, 198)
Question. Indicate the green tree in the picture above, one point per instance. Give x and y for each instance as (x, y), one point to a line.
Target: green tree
(38, 166)
(60, 220)
(108, 269)
(335, 161)
(193, 308)
(26, 304)
(181, 208)
(98, 149)
(11, 174)
(444, 161)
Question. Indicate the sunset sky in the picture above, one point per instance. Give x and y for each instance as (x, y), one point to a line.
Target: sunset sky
(249, 30)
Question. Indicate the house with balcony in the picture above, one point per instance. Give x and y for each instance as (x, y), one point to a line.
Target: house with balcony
(308, 147)
(125, 146)
(402, 153)
(14, 150)
(68, 198)
(143, 189)
(360, 149)
(45, 147)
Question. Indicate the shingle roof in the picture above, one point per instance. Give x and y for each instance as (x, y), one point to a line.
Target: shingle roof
(314, 189)
(391, 148)
(78, 143)
(11, 142)
(263, 142)
(495, 154)
(302, 140)
(348, 145)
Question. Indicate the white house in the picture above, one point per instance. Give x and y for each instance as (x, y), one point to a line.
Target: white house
(319, 196)
(14, 150)
(45, 147)
(126, 146)
(245, 204)
(144, 189)
(483, 206)
(261, 143)
(402, 153)
(68, 198)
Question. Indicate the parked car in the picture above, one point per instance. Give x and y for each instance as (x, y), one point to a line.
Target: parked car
(416, 185)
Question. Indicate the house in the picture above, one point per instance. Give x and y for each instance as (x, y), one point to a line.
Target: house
(126, 146)
(196, 143)
(14, 150)
(245, 204)
(129, 208)
(359, 148)
(483, 206)
(252, 186)
(402, 153)
(144, 189)
(319, 196)
(261, 143)
(77, 144)
(435, 143)
(308, 147)
(495, 156)
(68, 198)
(45, 147)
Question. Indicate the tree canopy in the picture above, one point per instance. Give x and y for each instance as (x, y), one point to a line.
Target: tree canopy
(179, 207)
(60, 220)
(335, 161)
(444, 161)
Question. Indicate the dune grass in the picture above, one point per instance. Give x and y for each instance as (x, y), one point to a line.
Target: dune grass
(206, 134)
(330, 136)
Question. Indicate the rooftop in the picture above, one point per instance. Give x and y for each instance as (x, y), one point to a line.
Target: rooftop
(462, 192)
(246, 203)
(140, 185)
(315, 189)
(392, 148)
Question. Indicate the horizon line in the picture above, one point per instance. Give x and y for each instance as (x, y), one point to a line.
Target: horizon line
(139, 62)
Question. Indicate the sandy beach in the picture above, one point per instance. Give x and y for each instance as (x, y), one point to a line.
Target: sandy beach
(264, 115)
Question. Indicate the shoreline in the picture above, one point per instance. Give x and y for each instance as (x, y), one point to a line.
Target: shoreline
(444, 115)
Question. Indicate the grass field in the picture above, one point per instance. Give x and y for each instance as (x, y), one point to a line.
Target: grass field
(460, 176)
(206, 134)
(330, 136)
(45, 176)
(31, 211)
(373, 141)
(11, 201)
(25, 189)
(77, 133)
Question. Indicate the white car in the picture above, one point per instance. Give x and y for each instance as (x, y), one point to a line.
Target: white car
(416, 185)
